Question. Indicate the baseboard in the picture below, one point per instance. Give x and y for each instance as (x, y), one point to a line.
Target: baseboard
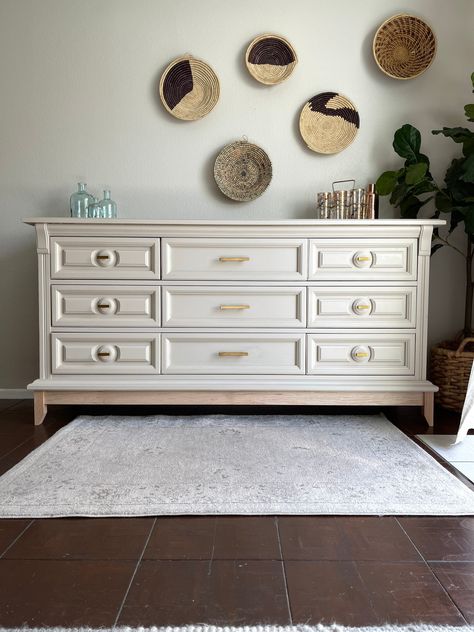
(15, 393)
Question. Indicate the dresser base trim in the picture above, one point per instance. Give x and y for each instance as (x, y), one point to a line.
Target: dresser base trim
(232, 398)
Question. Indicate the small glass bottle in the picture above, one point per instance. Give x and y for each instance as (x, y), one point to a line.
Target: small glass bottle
(109, 207)
(95, 209)
(80, 200)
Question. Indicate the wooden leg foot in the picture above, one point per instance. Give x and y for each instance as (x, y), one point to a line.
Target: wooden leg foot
(41, 407)
(428, 408)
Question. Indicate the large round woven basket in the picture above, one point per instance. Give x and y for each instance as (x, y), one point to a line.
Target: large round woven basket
(450, 370)
(404, 46)
(189, 88)
(242, 171)
(270, 59)
(329, 123)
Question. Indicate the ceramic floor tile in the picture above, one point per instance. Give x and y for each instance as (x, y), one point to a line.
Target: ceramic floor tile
(458, 580)
(444, 446)
(442, 539)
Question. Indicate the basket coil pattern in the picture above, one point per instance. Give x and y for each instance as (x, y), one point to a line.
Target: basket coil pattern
(270, 59)
(404, 46)
(242, 171)
(450, 369)
(329, 123)
(189, 88)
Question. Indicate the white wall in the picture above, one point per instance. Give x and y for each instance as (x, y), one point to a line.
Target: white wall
(78, 83)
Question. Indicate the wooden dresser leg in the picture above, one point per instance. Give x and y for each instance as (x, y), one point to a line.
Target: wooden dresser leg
(428, 408)
(41, 407)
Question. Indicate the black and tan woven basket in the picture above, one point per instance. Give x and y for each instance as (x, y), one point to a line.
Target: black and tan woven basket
(270, 59)
(450, 369)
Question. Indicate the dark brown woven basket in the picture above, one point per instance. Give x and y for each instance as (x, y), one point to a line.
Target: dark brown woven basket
(450, 370)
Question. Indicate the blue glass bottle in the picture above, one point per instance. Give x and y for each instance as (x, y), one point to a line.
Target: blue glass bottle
(109, 207)
(80, 200)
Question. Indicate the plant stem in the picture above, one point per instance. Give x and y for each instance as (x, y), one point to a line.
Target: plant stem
(446, 242)
(469, 289)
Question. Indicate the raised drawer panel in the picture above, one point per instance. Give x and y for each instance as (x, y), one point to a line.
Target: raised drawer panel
(251, 354)
(105, 354)
(234, 259)
(364, 354)
(357, 259)
(197, 306)
(105, 306)
(105, 258)
(362, 307)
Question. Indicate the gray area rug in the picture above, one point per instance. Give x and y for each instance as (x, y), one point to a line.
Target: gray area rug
(415, 627)
(293, 464)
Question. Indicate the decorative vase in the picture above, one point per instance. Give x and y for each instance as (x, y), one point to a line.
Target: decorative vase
(80, 201)
(109, 207)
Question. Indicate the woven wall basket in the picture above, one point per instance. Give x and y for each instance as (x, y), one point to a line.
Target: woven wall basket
(270, 59)
(189, 88)
(329, 123)
(242, 171)
(450, 369)
(404, 46)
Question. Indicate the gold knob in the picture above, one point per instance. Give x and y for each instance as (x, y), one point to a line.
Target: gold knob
(233, 354)
(230, 259)
(234, 307)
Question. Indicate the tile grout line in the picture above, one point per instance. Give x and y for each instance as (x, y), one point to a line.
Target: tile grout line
(432, 572)
(16, 539)
(134, 573)
(285, 579)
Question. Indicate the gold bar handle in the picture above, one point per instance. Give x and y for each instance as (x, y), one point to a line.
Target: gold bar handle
(103, 306)
(233, 259)
(233, 354)
(102, 257)
(363, 307)
(364, 258)
(223, 307)
(361, 355)
(103, 354)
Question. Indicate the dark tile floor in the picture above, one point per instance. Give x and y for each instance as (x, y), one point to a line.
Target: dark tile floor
(229, 570)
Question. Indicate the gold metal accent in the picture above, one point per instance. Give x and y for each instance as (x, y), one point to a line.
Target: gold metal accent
(103, 354)
(233, 354)
(361, 354)
(103, 306)
(363, 306)
(364, 258)
(234, 307)
(102, 257)
(230, 259)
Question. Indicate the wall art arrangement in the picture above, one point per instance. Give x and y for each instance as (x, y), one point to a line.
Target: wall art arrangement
(270, 59)
(242, 171)
(404, 47)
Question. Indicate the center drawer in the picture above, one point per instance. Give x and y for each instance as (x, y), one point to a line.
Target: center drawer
(218, 354)
(234, 259)
(215, 306)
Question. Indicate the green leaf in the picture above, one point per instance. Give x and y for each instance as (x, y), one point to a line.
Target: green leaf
(469, 112)
(410, 206)
(468, 146)
(468, 170)
(436, 247)
(386, 182)
(458, 134)
(407, 143)
(398, 193)
(472, 81)
(468, 216)
(443, 202)
(425, 186)
(456, 219)
(415, 173)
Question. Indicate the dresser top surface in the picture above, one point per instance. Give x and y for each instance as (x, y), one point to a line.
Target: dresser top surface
(219, 222)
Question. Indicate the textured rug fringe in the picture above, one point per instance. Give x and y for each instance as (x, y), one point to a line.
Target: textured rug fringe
(411, 627)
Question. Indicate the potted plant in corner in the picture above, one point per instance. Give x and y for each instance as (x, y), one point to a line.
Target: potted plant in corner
(410, 188)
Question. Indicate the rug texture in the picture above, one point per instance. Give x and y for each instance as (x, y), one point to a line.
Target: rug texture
(164, 465)
(414, 627)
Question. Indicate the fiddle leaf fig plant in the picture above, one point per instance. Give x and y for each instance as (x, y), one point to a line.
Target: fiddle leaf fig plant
(412, 186)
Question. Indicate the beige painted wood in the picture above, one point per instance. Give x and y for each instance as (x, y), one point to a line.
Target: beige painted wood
(98, 305)
(234, 259)
(236, 354)
(220, 306)
(105, 353)
(105, 258)
(361, 354)
(363, 259)
(428, 408)
(281, 398)
(40, 407)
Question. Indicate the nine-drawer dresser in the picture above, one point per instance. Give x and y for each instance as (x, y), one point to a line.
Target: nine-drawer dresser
(233, 312)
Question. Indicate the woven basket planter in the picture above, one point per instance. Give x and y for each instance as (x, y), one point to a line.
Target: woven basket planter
(450, 371)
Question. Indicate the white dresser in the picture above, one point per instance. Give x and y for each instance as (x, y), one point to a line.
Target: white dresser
(233, 312)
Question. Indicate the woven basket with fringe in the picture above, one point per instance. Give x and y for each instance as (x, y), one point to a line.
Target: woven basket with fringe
(450, 370)
(404, 46)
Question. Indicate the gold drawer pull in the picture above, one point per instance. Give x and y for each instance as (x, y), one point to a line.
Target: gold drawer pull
(361, 354)
(364, 258)
(233, 354)
(103, 354)
(103, 306)
(363, 306)
(102, 257)
(234, 307)
(230, 259)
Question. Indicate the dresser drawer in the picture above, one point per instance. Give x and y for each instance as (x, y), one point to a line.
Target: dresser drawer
(361, 354)
(105, 306)
(355, 259)
(237, 354)
(105, 258)
(198, 306)
(84, 353)
(234, 259)
(362, 306)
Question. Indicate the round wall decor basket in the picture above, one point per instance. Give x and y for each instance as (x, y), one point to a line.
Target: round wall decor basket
(270, 59)
(242, 171)
(189, 88)
(329, 123)
(450, 370)
(404, 46)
